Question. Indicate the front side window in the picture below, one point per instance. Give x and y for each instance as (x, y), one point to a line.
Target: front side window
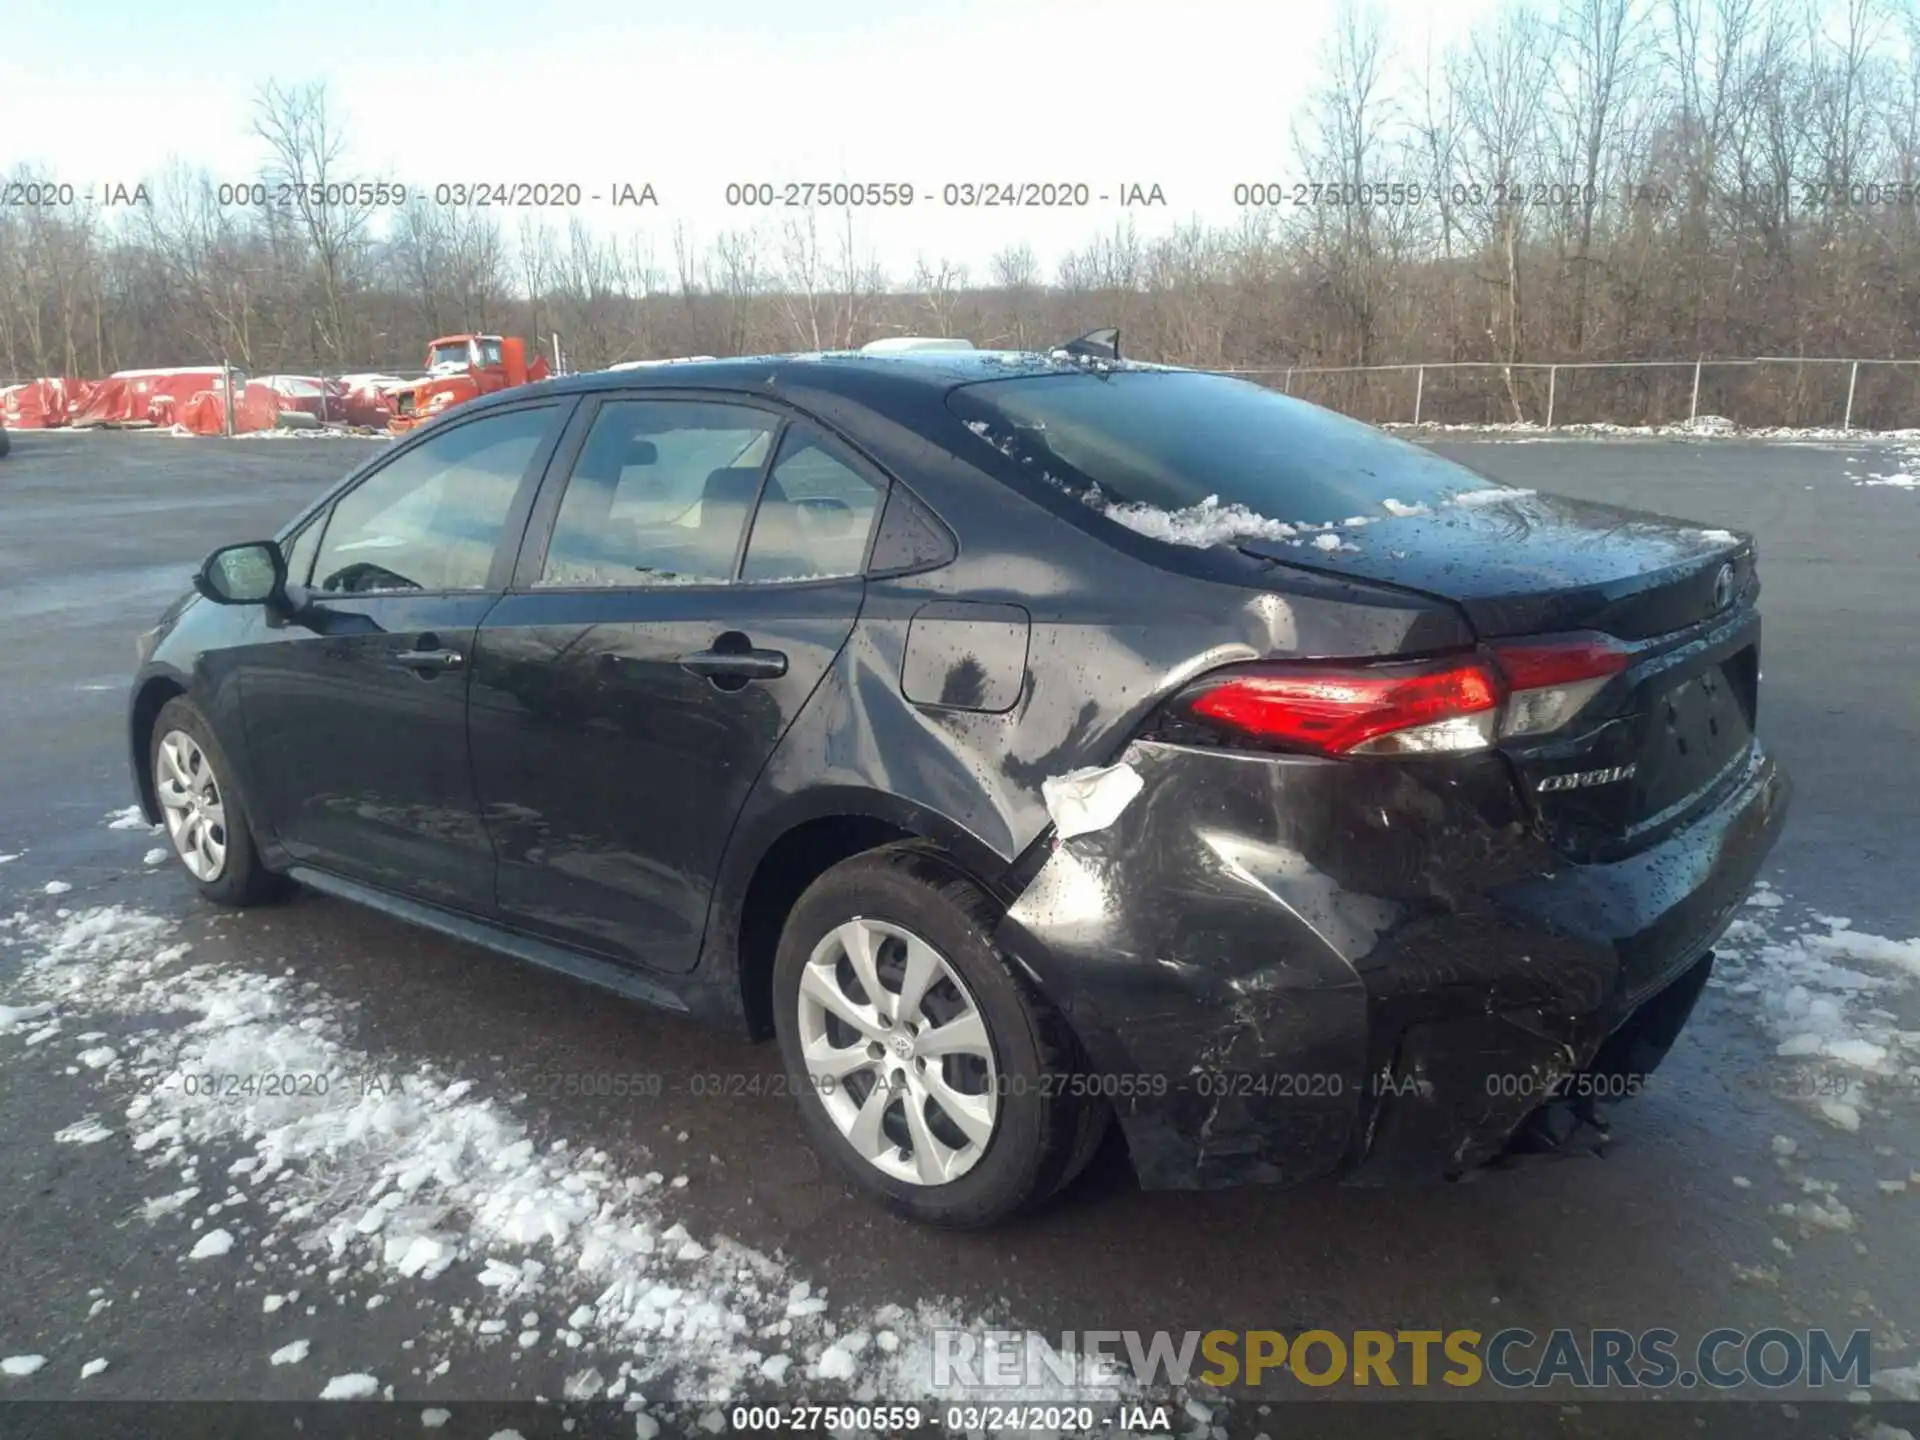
(814, 518)
(433, 518)
(660, 495)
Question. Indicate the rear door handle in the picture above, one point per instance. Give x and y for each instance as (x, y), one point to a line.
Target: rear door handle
(429, 660)
(736, 664)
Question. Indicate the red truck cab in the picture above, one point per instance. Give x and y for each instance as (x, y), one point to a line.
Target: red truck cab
(462, 368)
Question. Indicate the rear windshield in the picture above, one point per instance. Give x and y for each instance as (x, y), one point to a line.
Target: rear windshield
(1170, 440)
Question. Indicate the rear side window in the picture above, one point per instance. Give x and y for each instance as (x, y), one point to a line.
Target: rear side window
(1169, 440)
(814, 517)
(660, 495)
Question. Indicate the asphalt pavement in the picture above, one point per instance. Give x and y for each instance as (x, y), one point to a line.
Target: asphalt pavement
(1676, 1223)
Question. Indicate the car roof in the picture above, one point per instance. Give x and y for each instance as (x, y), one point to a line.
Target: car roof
(852, 373)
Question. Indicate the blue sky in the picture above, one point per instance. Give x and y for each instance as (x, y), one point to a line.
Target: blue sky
(1192, 95)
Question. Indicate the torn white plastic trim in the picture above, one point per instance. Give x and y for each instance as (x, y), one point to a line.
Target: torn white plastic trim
(1082, 801)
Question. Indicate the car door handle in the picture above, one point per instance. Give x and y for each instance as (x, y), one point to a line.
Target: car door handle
(429, 660)
(736, 664)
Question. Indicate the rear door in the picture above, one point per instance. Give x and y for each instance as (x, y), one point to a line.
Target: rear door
(691, 571)
(356, 717)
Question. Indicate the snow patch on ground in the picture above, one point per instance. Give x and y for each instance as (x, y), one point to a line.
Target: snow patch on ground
(1818, 989)
(419, 1177)
(211, 1245)
(14, 1016)
(83, 1132)
(1902, 1384)
(1905, 475)
(1704, 427)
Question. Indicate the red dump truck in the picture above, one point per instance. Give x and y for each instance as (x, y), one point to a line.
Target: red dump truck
(462, 368)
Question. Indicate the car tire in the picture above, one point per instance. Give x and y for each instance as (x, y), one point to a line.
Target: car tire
(1040, 1125)
(1096, 1118)
(181, 750)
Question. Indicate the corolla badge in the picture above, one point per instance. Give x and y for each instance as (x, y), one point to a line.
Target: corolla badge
(1581, 779)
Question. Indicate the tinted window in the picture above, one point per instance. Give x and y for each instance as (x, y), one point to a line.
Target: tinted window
(1170, 439)
(814, 517)
(432, 519)
(659, 495)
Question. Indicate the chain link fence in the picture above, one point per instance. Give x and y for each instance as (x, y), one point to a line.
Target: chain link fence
(1757, 393)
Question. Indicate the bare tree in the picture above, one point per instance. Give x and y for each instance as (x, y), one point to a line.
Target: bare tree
(941, 288)
(307, 163)
(1502, 76)
(1603, 42)
(1016, 275)
(1340, 147)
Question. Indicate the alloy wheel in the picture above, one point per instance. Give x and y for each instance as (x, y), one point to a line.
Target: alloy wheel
(898, 1052)
(191, 804)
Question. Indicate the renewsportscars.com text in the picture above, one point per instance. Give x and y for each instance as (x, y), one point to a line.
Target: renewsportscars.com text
(1510, 1359)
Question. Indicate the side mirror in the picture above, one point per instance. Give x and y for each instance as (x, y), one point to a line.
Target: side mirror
(252, 573)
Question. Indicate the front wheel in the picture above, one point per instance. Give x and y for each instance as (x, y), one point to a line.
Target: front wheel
(204, 821)
(923, 1062)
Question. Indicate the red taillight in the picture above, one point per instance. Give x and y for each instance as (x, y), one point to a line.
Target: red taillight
(1552, 680)
(1374, 710)
(1420, 708)
(1531, 664)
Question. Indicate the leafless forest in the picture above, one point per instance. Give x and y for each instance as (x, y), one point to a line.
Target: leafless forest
(1608, 179)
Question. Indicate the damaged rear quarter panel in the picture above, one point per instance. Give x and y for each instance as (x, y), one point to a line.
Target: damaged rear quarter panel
(1250, 924)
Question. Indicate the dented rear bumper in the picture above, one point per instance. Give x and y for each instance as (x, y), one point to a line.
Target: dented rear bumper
(1285, 968)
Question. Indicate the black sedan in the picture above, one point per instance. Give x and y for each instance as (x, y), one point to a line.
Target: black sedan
(1031, 743)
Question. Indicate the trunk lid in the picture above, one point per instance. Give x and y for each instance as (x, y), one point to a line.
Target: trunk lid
(1665, 738)
(1520, 563)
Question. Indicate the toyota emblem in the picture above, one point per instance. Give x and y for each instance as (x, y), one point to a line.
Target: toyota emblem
(1723, 587)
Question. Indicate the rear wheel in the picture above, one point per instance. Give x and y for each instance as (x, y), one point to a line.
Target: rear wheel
(202, 812)
(924, 1064)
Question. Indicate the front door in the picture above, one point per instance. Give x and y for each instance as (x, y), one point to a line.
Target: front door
(702, 573)
(356, 716)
